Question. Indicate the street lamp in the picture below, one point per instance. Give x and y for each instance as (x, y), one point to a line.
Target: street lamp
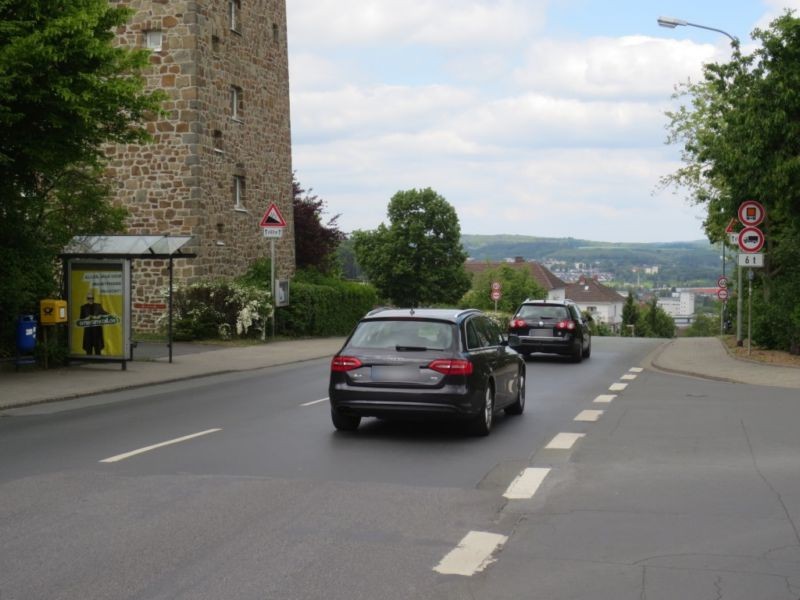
(672, 23)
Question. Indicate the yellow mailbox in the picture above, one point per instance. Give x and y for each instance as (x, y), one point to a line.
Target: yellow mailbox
(52, 311)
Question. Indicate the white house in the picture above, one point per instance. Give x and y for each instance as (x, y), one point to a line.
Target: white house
(601, 302)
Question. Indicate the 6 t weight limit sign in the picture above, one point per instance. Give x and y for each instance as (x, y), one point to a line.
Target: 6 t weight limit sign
(751, 260)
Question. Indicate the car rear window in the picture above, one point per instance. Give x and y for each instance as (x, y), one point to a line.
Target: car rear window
(543, 313)
(434, 335)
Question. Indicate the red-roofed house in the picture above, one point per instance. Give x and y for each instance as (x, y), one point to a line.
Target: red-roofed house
(543, 276)
(601, 302)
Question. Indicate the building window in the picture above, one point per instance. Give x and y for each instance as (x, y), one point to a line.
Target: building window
(215, 43)
(236, 103)
(154, 40)
(234, 10)
(276, 36)
(217, 137)
(238, 192)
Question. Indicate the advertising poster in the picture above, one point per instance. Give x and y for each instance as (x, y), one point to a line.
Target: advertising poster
(97, 322)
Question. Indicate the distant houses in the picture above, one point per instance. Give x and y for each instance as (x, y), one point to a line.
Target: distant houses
(601, 302)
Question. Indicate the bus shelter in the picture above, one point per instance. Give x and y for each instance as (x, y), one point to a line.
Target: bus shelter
(98, 279)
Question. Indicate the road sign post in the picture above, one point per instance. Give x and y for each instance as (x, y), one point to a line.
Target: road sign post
(272, 225)
(750, 240)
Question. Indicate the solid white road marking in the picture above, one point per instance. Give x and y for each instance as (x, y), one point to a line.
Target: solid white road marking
(636, 369)
(472, 555)
(617, 387)
(629, 377)
(589, 415)
(313, 402)
(605, 398)
(564, 441)
(526, 484)
(120, 457)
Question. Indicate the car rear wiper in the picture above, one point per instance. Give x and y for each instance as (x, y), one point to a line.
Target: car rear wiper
(411, 348)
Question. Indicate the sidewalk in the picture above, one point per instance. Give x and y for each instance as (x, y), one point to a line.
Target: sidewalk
(700, 357)
(708, 358)
(31, 386)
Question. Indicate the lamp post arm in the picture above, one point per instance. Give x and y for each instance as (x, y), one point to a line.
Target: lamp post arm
(734, 39)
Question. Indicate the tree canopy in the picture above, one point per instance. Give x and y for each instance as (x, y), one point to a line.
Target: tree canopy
(516, 286)
(65, 91)
(417, 259)
(741, 141)
(316, 243)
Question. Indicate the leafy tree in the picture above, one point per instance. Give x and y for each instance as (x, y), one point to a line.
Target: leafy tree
(517, 285)
(417, 259)
(315, 243)
(741, 140)
(655, 322)
(65, 91)
(630, 315)
(704, 325)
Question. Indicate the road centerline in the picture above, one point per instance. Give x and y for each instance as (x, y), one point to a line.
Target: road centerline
(313, 402)
(526, 483)
(472, 555)
(185, 438)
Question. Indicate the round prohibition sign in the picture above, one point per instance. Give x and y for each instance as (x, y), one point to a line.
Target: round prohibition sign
(496, 286)
(723, 294)
(751, 239)
(496, 295)
(722, 282)
(751, 213)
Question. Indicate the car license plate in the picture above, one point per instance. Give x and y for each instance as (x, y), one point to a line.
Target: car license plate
(541, 333)
(395, 374)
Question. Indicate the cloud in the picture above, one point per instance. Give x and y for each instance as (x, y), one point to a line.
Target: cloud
(429, 22)
(628, 67)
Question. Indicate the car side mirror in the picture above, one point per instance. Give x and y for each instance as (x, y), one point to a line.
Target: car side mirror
(512, 339)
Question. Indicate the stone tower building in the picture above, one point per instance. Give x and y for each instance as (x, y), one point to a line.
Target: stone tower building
(221, 155)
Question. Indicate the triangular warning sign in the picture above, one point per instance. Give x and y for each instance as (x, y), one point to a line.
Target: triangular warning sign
(273, 217)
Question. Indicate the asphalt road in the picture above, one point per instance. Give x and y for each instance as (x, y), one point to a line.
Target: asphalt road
(268, 501)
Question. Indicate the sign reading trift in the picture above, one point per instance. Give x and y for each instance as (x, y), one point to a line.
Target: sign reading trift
(273, 217)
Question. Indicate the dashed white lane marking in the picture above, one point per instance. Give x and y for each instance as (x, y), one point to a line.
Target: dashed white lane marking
(313, 402)
(564, 441)
(120, 457)
(605, 398)
(617, 387)
(589, 415)
(472, 555)
(526, 483)
(636, 369)
(629, 377)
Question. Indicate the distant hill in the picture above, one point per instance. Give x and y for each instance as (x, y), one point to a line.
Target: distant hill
(679, 263)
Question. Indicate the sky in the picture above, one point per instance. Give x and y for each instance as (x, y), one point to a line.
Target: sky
(530, 117)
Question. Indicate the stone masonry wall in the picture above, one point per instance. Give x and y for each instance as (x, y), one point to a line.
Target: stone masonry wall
(183, 182)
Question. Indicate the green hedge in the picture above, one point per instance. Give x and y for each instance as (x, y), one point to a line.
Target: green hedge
(327, 309)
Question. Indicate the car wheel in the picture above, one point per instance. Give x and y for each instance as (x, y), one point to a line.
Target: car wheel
(577, 352)
(519, 404)
(482, 424)
(344, 422)
(588, 352)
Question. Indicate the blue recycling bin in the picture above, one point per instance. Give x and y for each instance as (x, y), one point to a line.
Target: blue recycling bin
(26, 334)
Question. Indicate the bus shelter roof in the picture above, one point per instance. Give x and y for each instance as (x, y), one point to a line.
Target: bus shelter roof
(129, 246)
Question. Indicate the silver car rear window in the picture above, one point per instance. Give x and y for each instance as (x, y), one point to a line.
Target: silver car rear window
(389, 334)
(543, 313)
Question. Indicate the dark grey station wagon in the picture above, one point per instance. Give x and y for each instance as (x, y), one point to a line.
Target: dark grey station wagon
(426, 363)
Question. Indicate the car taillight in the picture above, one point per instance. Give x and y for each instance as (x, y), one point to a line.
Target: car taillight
(518, 324)
(345, 363)
(447, 366)
(566, 324)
